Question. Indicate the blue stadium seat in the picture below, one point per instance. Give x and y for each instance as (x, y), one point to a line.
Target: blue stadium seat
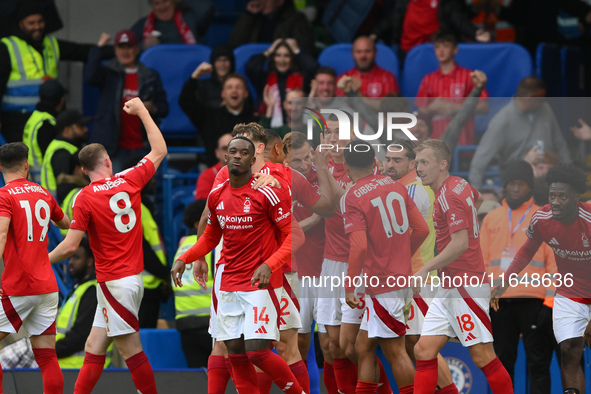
(338, 56)
(572, 72)
(175, 63)
(548, 68)
(242, 54)
(505, 64)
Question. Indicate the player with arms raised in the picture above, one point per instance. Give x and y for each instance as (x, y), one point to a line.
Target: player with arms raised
(565, 225)
(29, 290)
(109, 209)
(378, 215)
(460, 311)
(247, 317)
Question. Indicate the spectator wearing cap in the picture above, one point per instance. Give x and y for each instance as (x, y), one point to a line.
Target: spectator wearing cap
(522, 310)
(209, 90)
(119, 80)
(174, 22)
(27, 59)
(40, 128)
(61, 171)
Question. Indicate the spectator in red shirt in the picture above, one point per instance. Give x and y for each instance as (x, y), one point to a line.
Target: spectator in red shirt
(375, 81)
(206, 178)
(413, 22)
(119, 80)
(442, 92)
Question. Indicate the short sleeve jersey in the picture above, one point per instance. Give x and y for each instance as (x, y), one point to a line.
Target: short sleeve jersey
(376, 82)
(572, 249)
(110, 211)
(455, 210)
(378, 205)
(305, 195)
(30, 209)
(248, 220)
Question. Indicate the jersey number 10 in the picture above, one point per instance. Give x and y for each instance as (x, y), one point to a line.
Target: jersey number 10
(391, 221)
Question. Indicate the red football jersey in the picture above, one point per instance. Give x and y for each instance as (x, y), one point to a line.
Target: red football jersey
(110, 211)
(30, 208)
(377, 82)
(306, 193)
(571, 246)
(455, 210)
(336, 246)
(379, 205)
(248, 220)
(453, 87)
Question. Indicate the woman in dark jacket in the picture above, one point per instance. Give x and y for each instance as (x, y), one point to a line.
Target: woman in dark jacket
(288, 68)
(111, 78)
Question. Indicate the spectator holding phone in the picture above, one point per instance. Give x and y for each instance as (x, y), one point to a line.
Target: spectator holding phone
(119, 80)
(516, 130)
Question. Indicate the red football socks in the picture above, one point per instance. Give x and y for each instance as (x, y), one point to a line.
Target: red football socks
(384, 383)
(300, 372)
(498, 377)
(217, 375)
(345, 373)
(141, 373)
(426, 376)
(449, 389)
(53, 380)
(277, 369)
(406, 389)
(89, 373)
(329, 379)
(366, 387)
(265, 382)
(243, 374)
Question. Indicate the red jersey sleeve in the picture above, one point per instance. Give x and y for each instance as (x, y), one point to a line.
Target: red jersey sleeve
(457, 216)
(353, 217)
(80, 213)
(278, 205)
(5, 206)
(56, 212)
(204, 184)
(141, 174)
(303, 191)
(423, 94)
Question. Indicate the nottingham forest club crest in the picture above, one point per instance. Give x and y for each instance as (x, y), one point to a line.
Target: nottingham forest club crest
(460, 374)
(247, 204)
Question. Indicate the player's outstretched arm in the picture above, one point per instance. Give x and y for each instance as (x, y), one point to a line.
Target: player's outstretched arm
(457, 246)
(158, 150)
(67, 247)
(64, 224)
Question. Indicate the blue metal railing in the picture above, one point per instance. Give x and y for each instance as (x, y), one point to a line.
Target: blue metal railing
(168, 204)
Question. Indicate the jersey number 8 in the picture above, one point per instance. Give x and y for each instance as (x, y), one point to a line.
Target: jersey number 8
(127, 210)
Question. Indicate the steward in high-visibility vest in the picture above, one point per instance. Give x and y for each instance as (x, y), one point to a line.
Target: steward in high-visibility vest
(61, 156)
(522, 311)
(40, 129)
(75, 317)
(156, 273)
(67, 205)
(192, 303)
(28, 58)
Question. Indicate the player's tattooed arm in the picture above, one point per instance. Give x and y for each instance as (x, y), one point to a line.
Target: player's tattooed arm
(4, 226)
